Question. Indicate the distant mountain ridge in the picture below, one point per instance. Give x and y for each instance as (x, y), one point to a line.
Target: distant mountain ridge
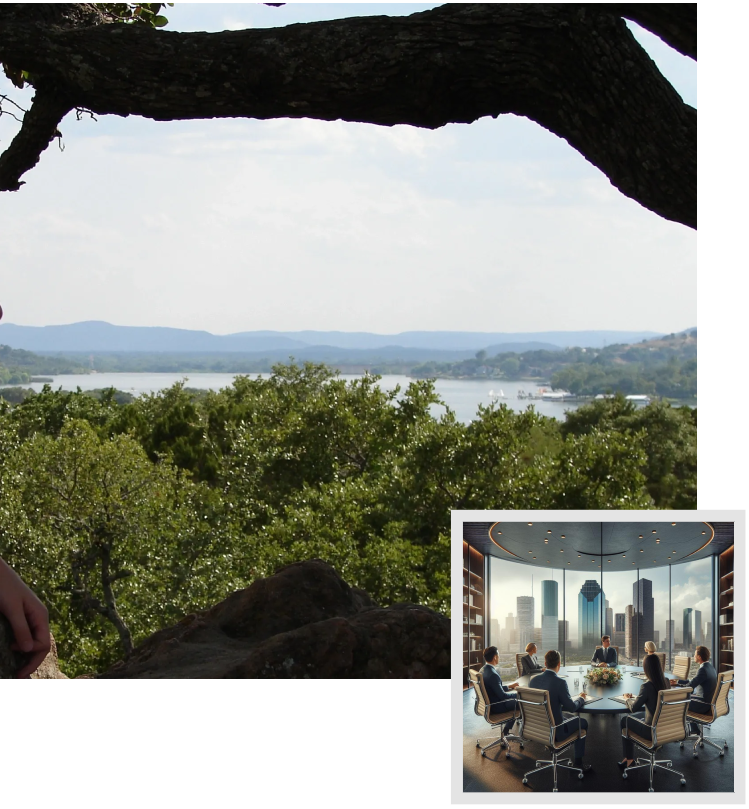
(94, 337)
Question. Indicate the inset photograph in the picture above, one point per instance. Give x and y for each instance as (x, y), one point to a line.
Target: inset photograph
(597, 656)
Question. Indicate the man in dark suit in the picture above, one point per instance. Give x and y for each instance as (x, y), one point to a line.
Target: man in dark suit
(606, 655)
(559, 698)
(703, 684)
(500, 696)
(530, 663)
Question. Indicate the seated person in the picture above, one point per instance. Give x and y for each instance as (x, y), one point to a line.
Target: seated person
(606, 655)
(640, 722)
(500, 697)
(529, 662)
(703, 685)
(559, 697)
(650, 648)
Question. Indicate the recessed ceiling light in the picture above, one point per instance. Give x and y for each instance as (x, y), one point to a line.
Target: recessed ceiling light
(657, 541)
(561, 551)
(578, 555)
(534, 557)
(547, 560)
(703, 533)
(608, 560)
(640, 550)
(640, 537)
(655, 532)
(569, 563)
(549, 531)
(563, 535)
(654, 560)
(624, 556)
(530, 551)
(530, 523)
(673, 523)
(632, 562)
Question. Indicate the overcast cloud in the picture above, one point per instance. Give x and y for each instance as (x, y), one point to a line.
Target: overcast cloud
(241, 225)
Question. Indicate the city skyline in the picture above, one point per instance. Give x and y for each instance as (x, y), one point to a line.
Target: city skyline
(688, 587)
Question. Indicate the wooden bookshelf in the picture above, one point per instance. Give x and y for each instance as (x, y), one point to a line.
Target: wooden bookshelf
(725, 612)
(474, 614)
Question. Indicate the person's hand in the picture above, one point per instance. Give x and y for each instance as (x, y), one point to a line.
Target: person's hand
(673, 682)
(581, 694)
(28, 619)
(514, 685)
(604, 665)
(627, 695)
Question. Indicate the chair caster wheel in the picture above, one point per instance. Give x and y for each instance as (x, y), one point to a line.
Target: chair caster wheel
(624, 775)
(580, 775)
(522, 746)
(483, 753)
(683, 781)
(478, 743)
(555, 790)
(722, 753)
(525, 780)
(694, 755)
(725, 745)
(651, 789)
(681, 744)
(701, 745)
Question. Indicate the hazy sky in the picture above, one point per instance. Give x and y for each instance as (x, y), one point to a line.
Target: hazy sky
(690, 587)
(298, 224)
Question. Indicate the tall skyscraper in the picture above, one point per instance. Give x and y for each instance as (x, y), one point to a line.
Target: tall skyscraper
(589, 601)
(697, 628)
(630, 635)
(619, 637)
(708, 639)
(609, 630)
(511, 631)
(549, 615)
(657, 638)
(564, 635)
(494, 634)
(644, 606)
(526, 611)
(688, 627)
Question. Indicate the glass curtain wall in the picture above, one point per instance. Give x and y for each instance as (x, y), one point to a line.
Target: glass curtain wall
(583, 599)
(624, 614)
(691, 608)
(569, 611)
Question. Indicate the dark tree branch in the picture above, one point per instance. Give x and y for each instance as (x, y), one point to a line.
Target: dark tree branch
(38, 129)
(674, 23)
(573, 68)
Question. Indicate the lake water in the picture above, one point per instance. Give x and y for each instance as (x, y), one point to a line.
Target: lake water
(462, 395)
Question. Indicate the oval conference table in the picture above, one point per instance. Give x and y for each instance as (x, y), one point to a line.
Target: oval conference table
(628, 684)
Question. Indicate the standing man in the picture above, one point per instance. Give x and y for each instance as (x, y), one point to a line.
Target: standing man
(529, 662)
(501, 697)
(703, 684)
(560, 700)
(606, 655)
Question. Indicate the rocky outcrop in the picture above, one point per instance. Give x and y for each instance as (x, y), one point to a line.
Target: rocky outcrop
(11, 661)
(303, 622)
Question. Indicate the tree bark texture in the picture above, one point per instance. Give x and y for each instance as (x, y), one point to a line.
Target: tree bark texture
(575, 69)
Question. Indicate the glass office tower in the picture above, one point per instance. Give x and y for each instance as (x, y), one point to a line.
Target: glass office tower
(549, 615)
(589, 602)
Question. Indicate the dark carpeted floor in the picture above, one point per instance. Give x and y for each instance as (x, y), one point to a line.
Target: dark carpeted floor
(494, 773)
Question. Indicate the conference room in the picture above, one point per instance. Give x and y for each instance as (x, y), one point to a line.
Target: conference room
(599, 656)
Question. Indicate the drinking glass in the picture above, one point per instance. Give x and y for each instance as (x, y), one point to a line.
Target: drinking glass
(577, 682)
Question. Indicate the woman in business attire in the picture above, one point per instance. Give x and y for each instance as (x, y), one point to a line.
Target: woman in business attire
(640, 722)
(650, 647)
